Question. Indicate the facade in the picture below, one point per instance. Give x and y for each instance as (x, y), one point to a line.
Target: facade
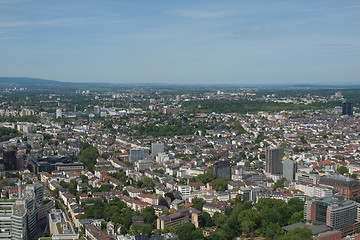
(347, 108)
(137, 154)
(50, 164)
(58, 113)
(222, 169)
(330, 211)
(314, 190)
(273, 161)
(307, 178)
(19, 217)
(179, 218)
(157, 148)
(10, 161)
(143, 164)
(97, 110)
(348, 187)
(289, 169)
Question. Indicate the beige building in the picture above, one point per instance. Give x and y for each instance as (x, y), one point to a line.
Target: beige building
(179, 218)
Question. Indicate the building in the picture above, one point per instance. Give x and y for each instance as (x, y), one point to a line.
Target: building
(218, 206)
(60, 226)
(94, 233)
(49, 164)
(143, 164)
(58, 113)
(310, 178)
(137, 154)
(157, 148)
(179, 218)
(19, 217)
(348, 187)
(312, 190)
(289, 169)
(10, 161)
(184, 190)
(347, 108)
(222, 169)
(330, 211)
(273, 161)
(97, 110)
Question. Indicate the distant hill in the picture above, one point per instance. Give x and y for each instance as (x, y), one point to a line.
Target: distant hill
(25, 82)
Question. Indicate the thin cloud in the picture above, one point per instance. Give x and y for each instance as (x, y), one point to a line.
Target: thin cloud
(334, 45)
(58, 21)
(204, 14)
(254, 30)
(13, 24)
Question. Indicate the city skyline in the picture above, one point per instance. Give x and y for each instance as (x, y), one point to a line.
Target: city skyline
(205, 42)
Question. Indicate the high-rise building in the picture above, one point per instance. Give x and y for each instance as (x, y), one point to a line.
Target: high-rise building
(289, 169)
(347, 108)
(137, 154)
(273, 161)
(157, 148)
(10, 161)
(58, 113)
(19, 217)
(97, 110)
(222, 169)
(330, 211)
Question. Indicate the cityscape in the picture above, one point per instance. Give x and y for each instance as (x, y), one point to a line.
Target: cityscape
(179, 163)
(179, 120)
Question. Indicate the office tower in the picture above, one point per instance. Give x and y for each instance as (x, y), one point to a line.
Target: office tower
(222, 169)
(137, 154)
(10, 161)
(273, 160)
(97, 110)
(58, 113)
(347, 108)
(157, 148)
(330, 211)
(289, 169)
(19, 217)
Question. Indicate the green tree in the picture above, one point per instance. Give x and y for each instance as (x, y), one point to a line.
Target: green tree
(342, 170)
(219, 184)
(206, 219)
(279, 183)
(88, 156)
(197, 234)
(273, 231)
(208, 176)
(198, 203)
(185, 231)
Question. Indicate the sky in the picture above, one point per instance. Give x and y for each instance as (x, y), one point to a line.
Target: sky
(182, 42)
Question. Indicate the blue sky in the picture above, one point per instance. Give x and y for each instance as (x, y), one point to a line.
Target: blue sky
(144, 41)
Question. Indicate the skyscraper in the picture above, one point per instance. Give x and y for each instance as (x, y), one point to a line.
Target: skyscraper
(347, 108)
(10, 161)
(58, 113)
(289, 169)
(19, 217)
(330, 211)
(273, 161)
(157, 148)
(222, 169)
